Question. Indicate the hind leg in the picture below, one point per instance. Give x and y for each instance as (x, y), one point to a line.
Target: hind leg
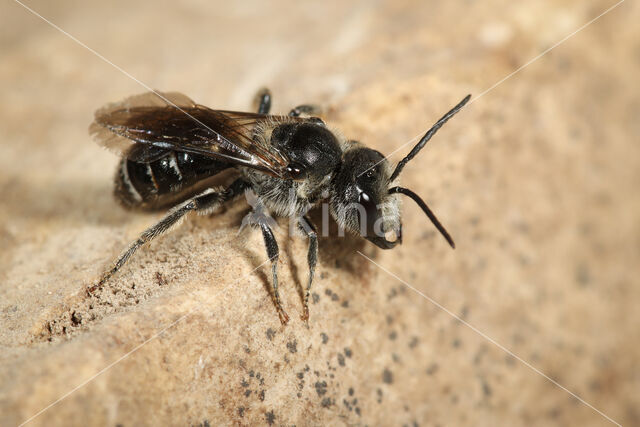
(262, 105)
(262, 101)
(203, 202)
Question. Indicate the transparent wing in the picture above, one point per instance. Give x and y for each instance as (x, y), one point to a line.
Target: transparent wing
(140, 126)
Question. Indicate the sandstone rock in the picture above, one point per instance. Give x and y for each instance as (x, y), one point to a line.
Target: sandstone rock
(537, 181)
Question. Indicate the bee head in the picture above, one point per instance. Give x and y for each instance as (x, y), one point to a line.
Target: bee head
(365, 198)
(361, 202)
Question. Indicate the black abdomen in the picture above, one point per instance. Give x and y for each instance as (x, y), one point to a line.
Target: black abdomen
(164, 181)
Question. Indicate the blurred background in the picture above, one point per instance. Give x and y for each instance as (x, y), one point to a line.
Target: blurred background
(537, 180)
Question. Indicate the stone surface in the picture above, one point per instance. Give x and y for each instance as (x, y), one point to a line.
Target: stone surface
(537, 181)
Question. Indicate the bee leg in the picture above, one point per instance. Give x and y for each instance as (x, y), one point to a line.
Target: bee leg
(305, 110)
(308, 228)
(204, 202)
(272, 251)
(262, 101)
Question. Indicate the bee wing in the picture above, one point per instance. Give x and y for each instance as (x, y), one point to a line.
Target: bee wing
(150, 121)
(119, 144)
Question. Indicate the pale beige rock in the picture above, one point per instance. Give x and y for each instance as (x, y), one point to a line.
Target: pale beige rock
(537, 181)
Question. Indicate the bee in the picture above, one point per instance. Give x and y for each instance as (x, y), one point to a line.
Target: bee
(171, 146)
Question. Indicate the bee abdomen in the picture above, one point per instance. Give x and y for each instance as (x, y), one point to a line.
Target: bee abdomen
(164, 181)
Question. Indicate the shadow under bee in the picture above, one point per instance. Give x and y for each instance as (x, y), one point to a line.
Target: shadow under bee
(77, 202)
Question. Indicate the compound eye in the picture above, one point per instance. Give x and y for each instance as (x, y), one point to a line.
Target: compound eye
(295, 170)
(370, 173)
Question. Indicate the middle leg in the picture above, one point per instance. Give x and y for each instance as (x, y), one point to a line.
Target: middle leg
(262, 101)
(203, 202)
(307, 227)
(273, 253)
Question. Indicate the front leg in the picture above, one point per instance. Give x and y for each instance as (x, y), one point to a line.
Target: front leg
(307, 227)
(272, 251)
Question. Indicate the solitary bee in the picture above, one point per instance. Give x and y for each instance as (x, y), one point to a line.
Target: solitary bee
(171, 147)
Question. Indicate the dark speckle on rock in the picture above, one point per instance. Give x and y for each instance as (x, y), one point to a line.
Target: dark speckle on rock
(477, 358)
(271, 417)
(351, 391)
(293, 346)
(554, 413)
(393, 335)
(260, 378)
(486, 388)
(345, 304)
(325, 338)
(327, 402)
(241, 411)
(321, 388)
(261, 395)
(315, 298)
(387, 376)
(341, 359)
(270, 334)
(300, 375)
(583, 277)
(76, 318)
(432, 369)
(347, 352)
(160, 279)
(247, 393)
(464, 313)
(244, 383)
(414, 342)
